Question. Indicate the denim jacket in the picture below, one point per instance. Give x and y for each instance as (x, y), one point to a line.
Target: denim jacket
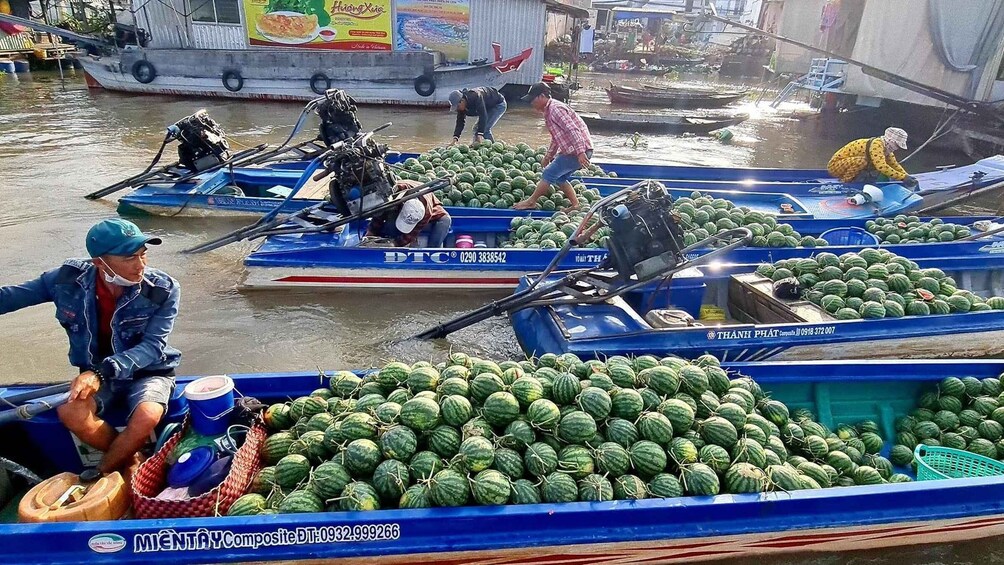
(143, 317)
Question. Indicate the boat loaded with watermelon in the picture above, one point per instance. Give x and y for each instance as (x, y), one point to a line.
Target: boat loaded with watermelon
(472, 461)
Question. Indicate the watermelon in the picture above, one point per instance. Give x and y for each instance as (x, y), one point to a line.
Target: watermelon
(247, 505)
(626, 403)
(565, 388)
(543, 414)
(424, 465)
(655, 427)
(399, 443)
(300, 501)
(680, 415)
(508, 462)
(595, 488)
(716, 457)
(682, 451)
(490, 487)
(276, 446)
(693, 380)
(665, 485)
(577, 427)
(664, 380)
(745, 478)
(622, 432)
(596, 402)
(500, 408)
(449, 488)
(540, 459)
(390, 480)
(328, 480)
(416, 496)
(648, 458)
(629, 487)
(558, 487)
(524, 492)
(291, 470)
(420, 414)
(277, 417)
(700, 480)
(612, 459)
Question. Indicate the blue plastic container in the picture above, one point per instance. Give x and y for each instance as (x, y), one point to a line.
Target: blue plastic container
(21, 66)
(210, 400)
(6, 66)
(849, 236)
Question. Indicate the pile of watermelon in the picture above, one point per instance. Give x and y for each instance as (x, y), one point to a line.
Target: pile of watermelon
(471, 431)
(960, 413)
(700, 217)
(909, 229)
(876, 283)
(493, 175)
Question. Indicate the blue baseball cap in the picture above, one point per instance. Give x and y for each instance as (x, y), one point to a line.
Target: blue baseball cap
(117, 237)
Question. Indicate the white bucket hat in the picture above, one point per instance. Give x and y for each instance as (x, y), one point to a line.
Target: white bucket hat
(412, 212)
(895, 137)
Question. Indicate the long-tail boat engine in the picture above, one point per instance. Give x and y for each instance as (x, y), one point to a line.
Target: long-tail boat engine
(202, 143)
(645, 237)
(338, 117)
(360, 179)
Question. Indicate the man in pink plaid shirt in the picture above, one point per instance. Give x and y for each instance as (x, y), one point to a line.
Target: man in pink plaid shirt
(571, 147)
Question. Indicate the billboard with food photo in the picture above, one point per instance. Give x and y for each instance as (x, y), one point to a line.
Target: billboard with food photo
(435, 25)
(346, 25)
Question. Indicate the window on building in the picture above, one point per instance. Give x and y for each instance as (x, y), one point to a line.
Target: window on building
(216, 11)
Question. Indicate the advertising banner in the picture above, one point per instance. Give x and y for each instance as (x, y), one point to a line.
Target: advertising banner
(435, 25)
(346, 25)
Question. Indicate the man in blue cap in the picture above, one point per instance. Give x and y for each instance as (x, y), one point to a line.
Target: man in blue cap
(117, 313)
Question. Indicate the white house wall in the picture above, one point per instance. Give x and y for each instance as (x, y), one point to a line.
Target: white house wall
(800, 21)
(895, 36)
(516, 25)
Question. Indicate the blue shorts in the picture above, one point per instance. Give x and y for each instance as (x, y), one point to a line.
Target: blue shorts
(142, 389)
(561, 168)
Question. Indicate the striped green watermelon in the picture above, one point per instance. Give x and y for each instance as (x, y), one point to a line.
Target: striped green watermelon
(784, 478)
(655, 427)
(629, 487)
(424, 465)
(390, 480)
(565, 388)
(276, 446)
(500, 408)
(576, 460)
(543, 414)
(399, 443)
(277, 417)
(626, 403)
(524, 492)
(508, 462)
(449, 488)
(577, 427)
(719, 431)
(540, 459)
(476, 454)
(291, 470)
(328, 480)
(665, 485)
(700, 480)
(917, 308)
(416, 496)
(518, 435)
(679, 414)
(622, 432)
(743, 478)
(527, 390)
(816, 473)
(300, 501)
(612, 459)
(420, 414)
(490, 487)
(623, 375)
(484, 385)
(595, 488)
(558, 487)
(693, 380)
(716, 457)
(247, 505)
(661, 379)
(872, 310)
(749, 451)
(392, 375)
(682, 451)
(596, 402)
(648, 458)
(358, 425)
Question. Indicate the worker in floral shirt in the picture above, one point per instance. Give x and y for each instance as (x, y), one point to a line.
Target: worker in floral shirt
(872, 160)
(571, 147)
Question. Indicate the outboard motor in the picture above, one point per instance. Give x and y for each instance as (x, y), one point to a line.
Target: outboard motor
(360, 179)
(645, 238)
(338, 117)
(202, 143)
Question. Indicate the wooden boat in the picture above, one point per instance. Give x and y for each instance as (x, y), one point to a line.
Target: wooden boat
(759, 327)
(671, 98)
(260, 189)
(339, 261)
(660, 123)
(675, 530)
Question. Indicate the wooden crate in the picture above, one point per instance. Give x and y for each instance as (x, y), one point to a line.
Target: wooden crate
(751, 300)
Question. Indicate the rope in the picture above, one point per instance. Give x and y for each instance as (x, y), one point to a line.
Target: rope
(937, 134)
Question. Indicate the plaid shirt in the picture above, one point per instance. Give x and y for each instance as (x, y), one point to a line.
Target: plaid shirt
(569, 134)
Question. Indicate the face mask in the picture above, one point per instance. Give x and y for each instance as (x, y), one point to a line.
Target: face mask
(117, 279)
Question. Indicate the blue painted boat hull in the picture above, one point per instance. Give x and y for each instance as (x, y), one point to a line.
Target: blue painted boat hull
(679, 530)
(821, 197)
(619, 327)
(336, 260)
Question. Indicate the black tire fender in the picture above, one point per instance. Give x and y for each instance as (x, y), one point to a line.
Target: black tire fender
(425, 85)
(232, 80)
(144, 72)
(320, 83)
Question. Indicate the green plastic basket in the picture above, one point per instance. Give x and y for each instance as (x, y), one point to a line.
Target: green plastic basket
(936, 463)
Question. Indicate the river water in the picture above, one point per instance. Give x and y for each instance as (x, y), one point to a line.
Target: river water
(60, 141)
